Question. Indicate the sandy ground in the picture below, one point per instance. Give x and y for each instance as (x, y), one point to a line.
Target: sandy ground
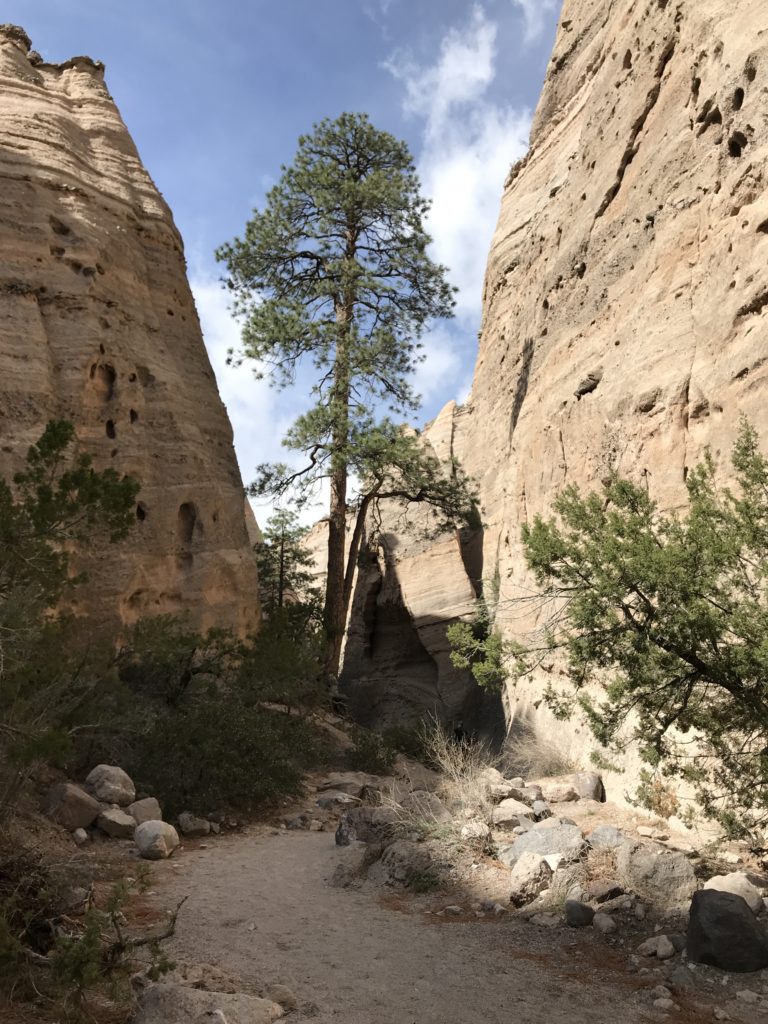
(260, 906)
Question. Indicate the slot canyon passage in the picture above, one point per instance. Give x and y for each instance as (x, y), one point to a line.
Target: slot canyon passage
(624, 328)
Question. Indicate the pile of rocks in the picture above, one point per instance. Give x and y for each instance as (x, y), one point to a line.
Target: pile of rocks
(106, 804)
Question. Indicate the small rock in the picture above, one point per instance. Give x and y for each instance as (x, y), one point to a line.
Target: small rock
(658, 946)
(665, 1004)
(658, 875)
(115, 823)
(746, 995)
(191, 826)
(111, 785)
(156, 840)
(721, 1014)
(508, 813)
(660, 992)
(475, 830)
(604, 923)
(578, 915)
(315, 825)
(545, 920)
(283, 996)
(80, 836)
(425, 806)
(682, 979)
(453, 909)
(541, 810)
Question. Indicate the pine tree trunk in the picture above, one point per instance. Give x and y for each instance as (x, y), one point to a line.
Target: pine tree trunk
(335, 610)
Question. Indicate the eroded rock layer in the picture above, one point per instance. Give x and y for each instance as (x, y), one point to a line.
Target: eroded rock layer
(98, 326)
(625, 312)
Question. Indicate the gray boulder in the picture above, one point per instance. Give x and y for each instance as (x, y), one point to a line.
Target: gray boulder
(110, 785)
(530, 876)
(192, 826)
(723, 932)
(575, 786)
(115, 823)
(351, 783)
(368, 824)
(156, 840)
(660, 876)
(566, 840)
(401, 864)
(147, 809)
(332, 798)
(178, 1004)
(509, 812)
(70, 806)
(578, 915)
(425, 806)
(606, 837)
(741, 883)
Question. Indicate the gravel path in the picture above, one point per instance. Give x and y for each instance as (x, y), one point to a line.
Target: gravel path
(260, 906)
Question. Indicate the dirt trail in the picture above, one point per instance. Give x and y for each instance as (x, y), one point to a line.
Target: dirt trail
(260, 906)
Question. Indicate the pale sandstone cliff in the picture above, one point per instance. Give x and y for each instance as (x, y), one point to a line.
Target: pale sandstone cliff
(630, 263)
(98, 325)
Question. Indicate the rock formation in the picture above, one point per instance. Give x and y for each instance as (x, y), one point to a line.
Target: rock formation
(98, 326)
(625, 309)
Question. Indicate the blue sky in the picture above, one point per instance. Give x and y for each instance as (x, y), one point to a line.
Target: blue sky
(216, 92)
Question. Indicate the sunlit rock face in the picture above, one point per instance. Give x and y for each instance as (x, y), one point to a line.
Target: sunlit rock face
(625, 309)
(98, 326)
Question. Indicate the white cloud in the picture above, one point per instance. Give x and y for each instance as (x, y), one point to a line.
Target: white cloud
(469, 143)
(536, 14)
(260, 416)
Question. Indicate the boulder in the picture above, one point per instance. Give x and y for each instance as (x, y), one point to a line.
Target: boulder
(660, 946)
(401, 864)
(578, 915)
(425, 806)
(110, 785)
(604, 923)
(508, 813)
(332, 798)
(723, 932)
(576, 786)
(741, 883)
(116, 823)
(367, 824)
(178, 1004)
(417, 775)
(530, 876)
(602, 889)
(70, 806)
(156, 840)
(606, 837)
(566, 840)
(660, 876)
(475, 829)
(192, 826)
(147, 809)
(351, 783)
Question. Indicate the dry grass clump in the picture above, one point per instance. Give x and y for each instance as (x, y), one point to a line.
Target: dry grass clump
(468, 771)
(532, 756)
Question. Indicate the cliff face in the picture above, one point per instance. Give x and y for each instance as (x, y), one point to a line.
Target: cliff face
(98, 326)
(625, 311)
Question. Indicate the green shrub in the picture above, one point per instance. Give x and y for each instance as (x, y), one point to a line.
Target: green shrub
(223, 753)
(370, 753)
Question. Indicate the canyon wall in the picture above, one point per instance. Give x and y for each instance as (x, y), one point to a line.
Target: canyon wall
(625, 308)
(98, 326)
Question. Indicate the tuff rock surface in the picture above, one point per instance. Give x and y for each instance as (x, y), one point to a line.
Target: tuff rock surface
(98, 326)
(625, 314)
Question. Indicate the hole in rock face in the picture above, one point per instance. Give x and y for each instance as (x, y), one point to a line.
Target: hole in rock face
(58, 226)
(103, 376)
(134, 415)
(736, 144)
(132, 377)
(750, 72)
(627, 63)
(113, 453)
(762, 228)
(187, 520)
(102, 349)
(738, 99)
(141, 511)
(110, 427)
(215, 517)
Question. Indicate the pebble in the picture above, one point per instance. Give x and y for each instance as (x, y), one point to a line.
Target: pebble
(748, 996)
